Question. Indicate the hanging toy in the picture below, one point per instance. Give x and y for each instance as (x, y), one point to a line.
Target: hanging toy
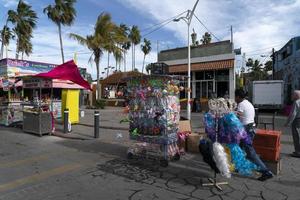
(126, 120)
(231, 165)
(220, 158)
(238, 158)
(164, 92)
(135, 132)
(176, 90)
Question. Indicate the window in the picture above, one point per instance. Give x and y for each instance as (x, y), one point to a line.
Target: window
(199, 75)
(297, 44)
(222, 75)
(209, 75)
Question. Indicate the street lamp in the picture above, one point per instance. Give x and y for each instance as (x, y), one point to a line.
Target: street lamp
(188, 20)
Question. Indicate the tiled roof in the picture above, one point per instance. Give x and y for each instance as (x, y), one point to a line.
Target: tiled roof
(118, 77)
(203, 66)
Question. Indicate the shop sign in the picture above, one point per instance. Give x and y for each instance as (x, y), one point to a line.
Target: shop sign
(5, 84)
(19, 67)
(37, 83)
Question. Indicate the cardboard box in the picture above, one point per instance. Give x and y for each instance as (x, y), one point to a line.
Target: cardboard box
(275, 167)
(193, 142)
(185, 125)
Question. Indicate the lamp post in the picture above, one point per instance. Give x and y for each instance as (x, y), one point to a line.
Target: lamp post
(188, 20)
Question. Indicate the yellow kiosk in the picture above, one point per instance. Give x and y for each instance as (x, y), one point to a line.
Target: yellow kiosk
(70, 100)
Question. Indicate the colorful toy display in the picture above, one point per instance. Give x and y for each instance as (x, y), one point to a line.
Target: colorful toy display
(154, 111)
(223, 126)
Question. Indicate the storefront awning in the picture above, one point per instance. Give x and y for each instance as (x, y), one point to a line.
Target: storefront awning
(56, 84)
(203, 66)
(67, 71)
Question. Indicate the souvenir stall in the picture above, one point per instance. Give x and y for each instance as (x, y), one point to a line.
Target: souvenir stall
(10, 102)
(70, 96)
(154, 114)
(11, 93)
(221, 150)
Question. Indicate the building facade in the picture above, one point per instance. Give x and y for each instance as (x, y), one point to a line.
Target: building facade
(287, 67)
(212, 68)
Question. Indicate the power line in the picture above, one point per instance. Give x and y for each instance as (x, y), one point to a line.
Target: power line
(164, 23)
(169, 19)
(206, 27)
(257, 50)
(157, 28)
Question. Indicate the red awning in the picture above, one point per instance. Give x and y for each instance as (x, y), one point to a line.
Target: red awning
(67, 71)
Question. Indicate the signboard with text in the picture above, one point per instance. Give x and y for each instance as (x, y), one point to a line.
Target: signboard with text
(37, 83)
(13, 68)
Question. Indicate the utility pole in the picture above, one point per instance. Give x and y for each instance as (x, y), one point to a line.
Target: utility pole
(231, 36)
(273, 62)
(188, 19)
(157, 48)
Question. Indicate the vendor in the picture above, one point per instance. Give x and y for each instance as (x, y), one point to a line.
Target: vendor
(246, 114)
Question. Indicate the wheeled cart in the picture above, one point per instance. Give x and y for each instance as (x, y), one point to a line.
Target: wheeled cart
(154, 114)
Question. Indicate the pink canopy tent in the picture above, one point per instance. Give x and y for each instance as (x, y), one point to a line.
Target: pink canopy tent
(67, 71)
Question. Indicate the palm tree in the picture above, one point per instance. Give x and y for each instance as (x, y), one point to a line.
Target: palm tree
(256, 68)
(62, 13)
(135, 38)
(146, 48)
(98, 41)
(24, 20)
(206, 38)
(116, 38)
(6, 36)
(25, 47)
(125, 45)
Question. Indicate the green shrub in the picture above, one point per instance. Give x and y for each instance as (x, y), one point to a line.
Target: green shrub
(100, 103)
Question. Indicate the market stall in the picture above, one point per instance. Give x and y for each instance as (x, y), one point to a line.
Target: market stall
(10, 102)
(154, 114)
(12, 95)
(37, 115)
(70, 97)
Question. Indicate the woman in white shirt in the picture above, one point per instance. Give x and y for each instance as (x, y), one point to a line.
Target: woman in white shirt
(246, 114)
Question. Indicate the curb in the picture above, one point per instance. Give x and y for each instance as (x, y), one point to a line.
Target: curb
(106, 127)
(68, 136)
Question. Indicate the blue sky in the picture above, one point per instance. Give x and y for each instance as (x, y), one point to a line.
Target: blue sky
(258, 25)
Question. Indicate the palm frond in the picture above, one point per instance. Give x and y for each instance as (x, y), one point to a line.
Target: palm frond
(81, 40)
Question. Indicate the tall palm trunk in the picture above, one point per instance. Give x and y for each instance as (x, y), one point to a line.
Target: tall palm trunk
(124, 61)
(22, 55)
(61, 44)
(108, 55)
(132, 57)
(143, 63)
(2, 39)
(98, 84)
(17, 49)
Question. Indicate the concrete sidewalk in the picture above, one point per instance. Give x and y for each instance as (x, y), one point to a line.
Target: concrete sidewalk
(53, 168)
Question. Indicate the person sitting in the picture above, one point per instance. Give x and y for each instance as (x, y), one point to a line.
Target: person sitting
(246, 114)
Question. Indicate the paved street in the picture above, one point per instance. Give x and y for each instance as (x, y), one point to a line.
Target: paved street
(50, 167)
